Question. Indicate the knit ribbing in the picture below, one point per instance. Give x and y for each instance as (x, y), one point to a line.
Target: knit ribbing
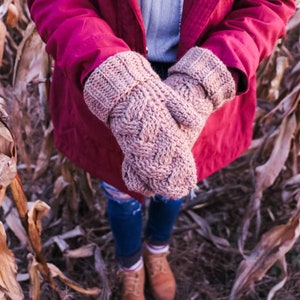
(204, 82)
(208, 71)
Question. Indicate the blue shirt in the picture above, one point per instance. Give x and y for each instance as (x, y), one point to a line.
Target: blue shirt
(162, 25)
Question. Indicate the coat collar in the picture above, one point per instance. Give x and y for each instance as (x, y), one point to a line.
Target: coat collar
(195, 17)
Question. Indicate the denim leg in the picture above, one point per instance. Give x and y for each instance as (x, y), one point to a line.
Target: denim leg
(163, 213)
(125, 218)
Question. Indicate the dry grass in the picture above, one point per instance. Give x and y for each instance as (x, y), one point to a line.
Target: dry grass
(236, 239)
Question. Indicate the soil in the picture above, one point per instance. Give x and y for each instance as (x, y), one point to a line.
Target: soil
(204, 266)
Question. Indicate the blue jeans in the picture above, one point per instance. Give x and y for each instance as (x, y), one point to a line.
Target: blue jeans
(125, 218)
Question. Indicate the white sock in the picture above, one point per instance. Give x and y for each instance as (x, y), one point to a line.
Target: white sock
(136, 267)
(155, 249)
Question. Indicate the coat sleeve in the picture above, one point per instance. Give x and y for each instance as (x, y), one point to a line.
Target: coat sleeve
(75, 35)
(248, 34)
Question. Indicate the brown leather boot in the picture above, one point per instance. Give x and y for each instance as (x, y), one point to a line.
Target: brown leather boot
(160, 275)
(133, 284)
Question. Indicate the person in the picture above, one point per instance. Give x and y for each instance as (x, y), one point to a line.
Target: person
(151, 97)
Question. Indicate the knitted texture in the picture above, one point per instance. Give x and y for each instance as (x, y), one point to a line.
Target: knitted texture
(204, 81)
(129, 97)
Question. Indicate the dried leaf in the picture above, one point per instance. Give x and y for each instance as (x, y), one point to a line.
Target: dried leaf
(38, 210)
(30, 222)
(268, 172)
(77, 231)
(13, 221)
(27, 72)
(86, 190)
(61, 243)
(20, 121)
(3, 113)
(35, 214)
(45, 153)
(34, 236)
(8, 270)
(294, 21)
(23, 277)
(66, 170)
(283, 267)
(272, 246)
(205, 231)
(281, 65)
(4, 7)
(28, 60)
(19, 197)
(59, 185)
(8, 170)
(2, 194)
(2, 40)
(35, 281)
(101, 270)
(84, 251)
(55, 272)
(70, 211)
(266, 175)
(284, 108)
(7, 142)
(295, 180)
(12, 17)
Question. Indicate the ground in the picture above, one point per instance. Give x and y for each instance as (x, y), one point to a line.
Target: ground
(204, 252)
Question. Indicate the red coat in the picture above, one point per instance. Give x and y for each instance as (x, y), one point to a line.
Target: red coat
(81, 34)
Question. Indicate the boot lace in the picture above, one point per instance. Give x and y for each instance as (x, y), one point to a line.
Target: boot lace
(131, 283)
(157, 263)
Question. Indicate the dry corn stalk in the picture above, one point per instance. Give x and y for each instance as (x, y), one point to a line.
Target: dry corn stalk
(8, 168)
(13, 222)
(272, 247)
(267, 173)
(35, 282)
(55, 272)
(31, 220)
(8, 271)
(281, 141)
(8, 176)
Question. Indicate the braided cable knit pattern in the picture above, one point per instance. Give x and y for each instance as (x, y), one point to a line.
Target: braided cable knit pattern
(127, 95)
(193, 93)
(204, 81)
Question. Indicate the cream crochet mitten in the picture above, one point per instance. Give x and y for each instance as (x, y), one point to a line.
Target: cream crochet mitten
(204, 81)
(129, 97)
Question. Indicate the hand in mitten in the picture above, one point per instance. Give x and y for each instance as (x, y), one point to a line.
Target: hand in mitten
(129, 97)
(203, 80)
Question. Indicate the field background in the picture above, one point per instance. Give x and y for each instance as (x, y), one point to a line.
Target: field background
(236, 238)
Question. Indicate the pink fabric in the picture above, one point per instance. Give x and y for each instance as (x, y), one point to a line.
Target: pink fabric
(81, 34)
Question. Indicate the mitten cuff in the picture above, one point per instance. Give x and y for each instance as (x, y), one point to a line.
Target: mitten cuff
(210, 72)
(113, 79)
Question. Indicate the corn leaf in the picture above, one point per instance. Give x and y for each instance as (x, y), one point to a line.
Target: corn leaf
(8, 270)
(272, 247)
